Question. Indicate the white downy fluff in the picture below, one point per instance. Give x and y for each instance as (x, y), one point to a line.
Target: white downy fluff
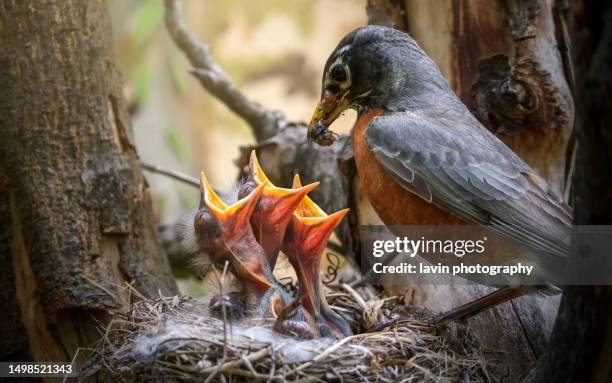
(176, 332)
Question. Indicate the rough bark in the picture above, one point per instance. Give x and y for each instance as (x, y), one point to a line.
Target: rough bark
(502, 60)
(76, 214)
(581, 342)
(390, 13)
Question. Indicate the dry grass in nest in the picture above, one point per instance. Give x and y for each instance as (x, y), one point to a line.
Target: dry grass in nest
(174, 339)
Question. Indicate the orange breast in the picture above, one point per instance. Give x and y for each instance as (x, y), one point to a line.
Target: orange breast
(393, 204)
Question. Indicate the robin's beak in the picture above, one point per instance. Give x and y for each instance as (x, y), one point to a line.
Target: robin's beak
(326, 112)
(274, 210)
(305, 242)
(245, 254)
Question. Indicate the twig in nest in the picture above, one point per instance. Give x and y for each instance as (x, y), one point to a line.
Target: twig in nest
(358, 298)
(251, 358)
(107, 291)
(223, 309)
(264, 123)
(170, 338)
(219, 368)
(380, 326)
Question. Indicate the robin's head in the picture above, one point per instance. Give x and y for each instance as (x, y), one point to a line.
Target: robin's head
(372, 67)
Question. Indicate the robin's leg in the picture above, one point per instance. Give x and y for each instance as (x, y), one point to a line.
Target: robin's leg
(470, 309)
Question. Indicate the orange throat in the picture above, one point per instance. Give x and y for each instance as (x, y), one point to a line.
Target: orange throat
(393, 204)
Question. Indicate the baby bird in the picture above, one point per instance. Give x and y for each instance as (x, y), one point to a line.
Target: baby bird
(273, 210)
(224, 232)
(250, 233)
(304, 244)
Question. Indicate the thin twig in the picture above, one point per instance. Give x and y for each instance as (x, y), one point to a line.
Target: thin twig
(171, 173)
(223, 309)
(409, 349)
(325, 353)
(358, 298)
(252, 358)
(264, 123)
(107, 291)
(132, 290)
(216, 370)
(72, 363)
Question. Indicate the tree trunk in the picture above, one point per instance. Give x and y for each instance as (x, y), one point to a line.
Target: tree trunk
(76, 218)
(581, 343)
(503, 59)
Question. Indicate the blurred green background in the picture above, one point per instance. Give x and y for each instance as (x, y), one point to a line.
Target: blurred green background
(273, 49)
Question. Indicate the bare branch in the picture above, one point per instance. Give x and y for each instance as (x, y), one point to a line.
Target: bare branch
(264, 122)
(284, 142)
(171, 173)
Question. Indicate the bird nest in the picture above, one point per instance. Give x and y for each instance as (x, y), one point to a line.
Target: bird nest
(175, 339)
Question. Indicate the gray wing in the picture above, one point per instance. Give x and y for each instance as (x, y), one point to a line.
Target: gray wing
(469, 172)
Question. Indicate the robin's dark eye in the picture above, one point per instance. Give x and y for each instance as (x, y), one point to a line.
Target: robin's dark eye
(338, 73)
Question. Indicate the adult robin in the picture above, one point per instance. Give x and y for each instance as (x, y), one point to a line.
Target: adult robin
(424, 159)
